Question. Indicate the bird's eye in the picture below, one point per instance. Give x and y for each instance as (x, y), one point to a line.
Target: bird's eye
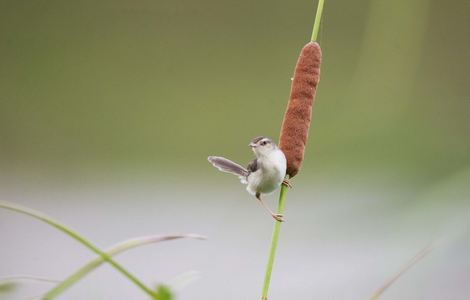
(263, 143)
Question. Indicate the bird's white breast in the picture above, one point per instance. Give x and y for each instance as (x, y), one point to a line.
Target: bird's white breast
(270, 174)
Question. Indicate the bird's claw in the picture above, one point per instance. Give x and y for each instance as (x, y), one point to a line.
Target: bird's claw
(278, 217)
(286, 182)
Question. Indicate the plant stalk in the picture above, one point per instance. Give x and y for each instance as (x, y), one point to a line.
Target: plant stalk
(274, 242)
(316, 24)
(79, 238)
(282, 195)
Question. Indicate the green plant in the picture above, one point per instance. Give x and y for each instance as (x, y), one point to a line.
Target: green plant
(103, 256)
(295, 126)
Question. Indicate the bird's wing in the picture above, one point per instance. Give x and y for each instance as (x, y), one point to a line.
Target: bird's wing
(253, 166)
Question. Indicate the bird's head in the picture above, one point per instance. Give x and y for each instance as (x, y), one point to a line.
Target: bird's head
(262, 146)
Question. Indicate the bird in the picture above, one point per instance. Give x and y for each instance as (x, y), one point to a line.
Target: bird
(263, 175)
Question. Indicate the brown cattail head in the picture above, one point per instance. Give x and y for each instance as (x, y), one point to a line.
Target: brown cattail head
(294, 130)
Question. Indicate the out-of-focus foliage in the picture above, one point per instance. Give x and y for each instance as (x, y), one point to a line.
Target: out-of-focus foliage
(164, 293)
(7, 288)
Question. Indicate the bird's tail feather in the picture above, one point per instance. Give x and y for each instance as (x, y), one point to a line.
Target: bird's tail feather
(228, 166)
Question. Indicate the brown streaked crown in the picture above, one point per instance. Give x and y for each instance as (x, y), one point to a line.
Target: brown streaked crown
(257, 139)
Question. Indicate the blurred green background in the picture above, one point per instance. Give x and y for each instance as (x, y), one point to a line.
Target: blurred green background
(108, 110)
(162, 84)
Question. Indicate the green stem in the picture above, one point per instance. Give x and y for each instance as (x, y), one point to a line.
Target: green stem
(119, 248)
(274, 241)
(79, 238)
(316, 24)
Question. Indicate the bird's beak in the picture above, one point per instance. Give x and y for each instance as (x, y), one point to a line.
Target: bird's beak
(252, 145)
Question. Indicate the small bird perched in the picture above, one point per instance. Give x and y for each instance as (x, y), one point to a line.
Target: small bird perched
(263, 175)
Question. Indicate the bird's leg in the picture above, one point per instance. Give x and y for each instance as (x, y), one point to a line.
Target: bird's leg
(286, 182)
(276, 217)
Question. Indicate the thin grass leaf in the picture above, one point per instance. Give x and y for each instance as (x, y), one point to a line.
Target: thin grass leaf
(17, 278)
(116, 249)
(417, 258)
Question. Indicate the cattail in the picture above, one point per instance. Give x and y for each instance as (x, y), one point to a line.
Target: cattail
(296, 123)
